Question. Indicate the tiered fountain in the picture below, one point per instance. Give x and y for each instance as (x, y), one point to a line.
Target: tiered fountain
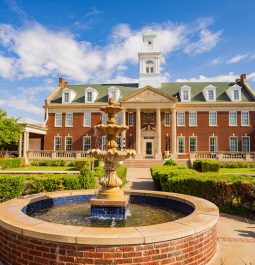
(111, 201)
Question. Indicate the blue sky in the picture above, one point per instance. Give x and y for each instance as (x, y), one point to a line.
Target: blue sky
(97, 42)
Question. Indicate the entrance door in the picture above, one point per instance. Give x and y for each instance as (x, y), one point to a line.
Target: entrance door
(149, 148)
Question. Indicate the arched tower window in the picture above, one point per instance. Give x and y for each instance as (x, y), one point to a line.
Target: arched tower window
(149, 67)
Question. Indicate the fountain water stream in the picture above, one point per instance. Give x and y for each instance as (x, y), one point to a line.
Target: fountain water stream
(111, 201)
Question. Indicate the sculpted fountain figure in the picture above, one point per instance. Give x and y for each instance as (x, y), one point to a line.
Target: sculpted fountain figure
(111, 201)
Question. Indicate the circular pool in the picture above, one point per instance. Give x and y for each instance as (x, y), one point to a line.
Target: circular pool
(190, 239)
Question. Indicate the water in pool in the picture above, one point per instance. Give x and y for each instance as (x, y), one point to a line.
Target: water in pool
(79, 214)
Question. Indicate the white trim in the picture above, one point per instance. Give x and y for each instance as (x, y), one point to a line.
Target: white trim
(133, 119)
(83, 142)
(65, 142)
(245, 125)
(178, 144)
(167, 125)
(206, 93)
(114, 89)
(213, 125)
(216, 137)
(230, 143)
(55, 142)
(183, 89)
(85, 125)
(67, 125)
(94, 94)
(177, 114)
(232, 125)
(192, 125)
(231, 90)
(55, 125)
(248, 137)
(71, 93)
(193, 136)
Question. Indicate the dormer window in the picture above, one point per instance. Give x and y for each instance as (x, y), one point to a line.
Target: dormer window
(114, 92)
(149, 67)
(185, 93)
(209, 93)
(68, 95)
(234, 93)
(90, 95)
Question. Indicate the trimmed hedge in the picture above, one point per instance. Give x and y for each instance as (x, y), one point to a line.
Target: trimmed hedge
(206, 165)
(239, 164)
(89, 161)
(170, 162)
(223, 190)
(122, 174)
(11, 162)
(49, 163)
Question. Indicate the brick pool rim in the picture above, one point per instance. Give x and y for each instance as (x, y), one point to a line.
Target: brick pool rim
(198, 230)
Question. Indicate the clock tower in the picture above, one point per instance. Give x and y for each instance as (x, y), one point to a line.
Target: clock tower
(149, 60)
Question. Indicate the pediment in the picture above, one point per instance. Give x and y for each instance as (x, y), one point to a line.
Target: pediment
(149, 94)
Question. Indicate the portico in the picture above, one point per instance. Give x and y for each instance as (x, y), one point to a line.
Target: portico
(149, 106)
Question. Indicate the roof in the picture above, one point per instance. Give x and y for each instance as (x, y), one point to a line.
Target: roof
(171, 89)
(149, 32)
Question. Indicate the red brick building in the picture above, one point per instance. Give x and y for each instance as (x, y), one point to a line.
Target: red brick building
(174, 119)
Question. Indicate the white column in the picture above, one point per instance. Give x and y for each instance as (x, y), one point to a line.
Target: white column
(158, 122)
(123, 134)
(20, 145)
(25, 146)
(173, 140)
(138, 133)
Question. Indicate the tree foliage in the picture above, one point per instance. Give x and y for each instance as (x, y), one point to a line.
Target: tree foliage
(10, 129)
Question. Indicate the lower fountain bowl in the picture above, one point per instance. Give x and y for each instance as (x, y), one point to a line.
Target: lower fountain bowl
(189, 240)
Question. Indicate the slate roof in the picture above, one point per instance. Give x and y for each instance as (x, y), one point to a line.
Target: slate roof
(171, 89)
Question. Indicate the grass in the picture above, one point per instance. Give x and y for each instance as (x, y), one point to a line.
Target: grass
(41, 168)
(238, 170)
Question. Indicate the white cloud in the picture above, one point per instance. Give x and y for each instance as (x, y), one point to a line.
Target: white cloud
(237, 58)
(230, 77)
(122, 80)
(35, 51)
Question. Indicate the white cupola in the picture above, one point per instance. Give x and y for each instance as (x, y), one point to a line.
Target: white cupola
(149, 60)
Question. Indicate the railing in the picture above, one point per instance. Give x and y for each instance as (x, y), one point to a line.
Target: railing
(223, 156)
(63, 155)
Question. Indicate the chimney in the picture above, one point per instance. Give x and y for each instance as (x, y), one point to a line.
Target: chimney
(243, 78)
(61, 81)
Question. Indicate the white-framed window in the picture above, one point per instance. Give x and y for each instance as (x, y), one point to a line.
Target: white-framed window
(149, 67)
(104, 118)
(209, 93)
(131, 119)
(236, 95)
(245, 118)
(66, 97)
(167, 119)
(114, 92)
(69, 119)
(181, 144)
(212, 118)
(118, 118)
(58, 119)
(118, 141)
(192, 119)
(213, 144)
(185, 93)
(232, 118)
(192, 143)
(86, 143)
(246, 144)
(233, 143)
(89, 96)
(180, 118)
(87, 119)
(57, 143)
(68, 143)
(104, 142)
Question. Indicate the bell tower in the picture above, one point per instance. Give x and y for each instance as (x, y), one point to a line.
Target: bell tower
(149, 61)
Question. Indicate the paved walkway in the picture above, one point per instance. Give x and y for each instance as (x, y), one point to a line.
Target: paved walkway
(236, 235)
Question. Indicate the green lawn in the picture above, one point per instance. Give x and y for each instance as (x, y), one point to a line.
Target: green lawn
(250, 170)
(41, 168)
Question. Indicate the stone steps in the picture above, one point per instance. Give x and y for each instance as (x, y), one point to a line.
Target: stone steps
(142, 163)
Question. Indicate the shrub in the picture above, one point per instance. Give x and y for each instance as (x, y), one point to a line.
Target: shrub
(48, 163)
(10, 187)
(223, 190)
(122, 173)
(87, 178)
(90, 161)
(239, 164)
(170, 162)
(11, 162)
(206, 165)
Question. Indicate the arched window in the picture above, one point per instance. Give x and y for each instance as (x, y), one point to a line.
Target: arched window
(149, 67)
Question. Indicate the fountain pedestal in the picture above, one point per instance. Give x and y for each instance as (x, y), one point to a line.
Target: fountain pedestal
(110, 202)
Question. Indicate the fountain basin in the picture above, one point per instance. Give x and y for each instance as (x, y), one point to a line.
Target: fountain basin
(189, 239)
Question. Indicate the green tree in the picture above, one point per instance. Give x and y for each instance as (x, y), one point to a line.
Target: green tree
(10, 129)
